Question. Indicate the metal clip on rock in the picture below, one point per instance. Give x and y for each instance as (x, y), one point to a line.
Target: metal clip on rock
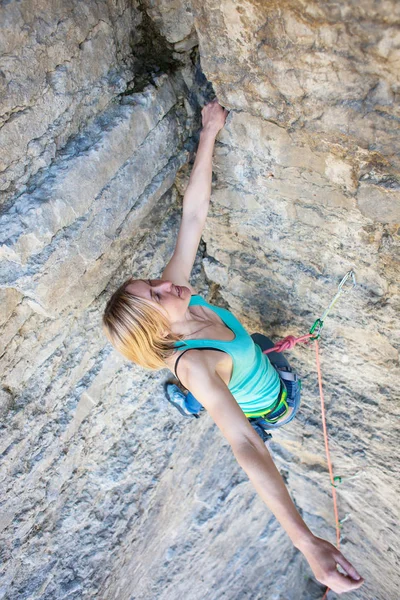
(316, 329)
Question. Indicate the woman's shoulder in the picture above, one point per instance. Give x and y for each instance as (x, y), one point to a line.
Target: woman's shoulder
(197, 364)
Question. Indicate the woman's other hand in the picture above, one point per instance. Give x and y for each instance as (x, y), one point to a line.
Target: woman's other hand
(323, 558)
(213, 116)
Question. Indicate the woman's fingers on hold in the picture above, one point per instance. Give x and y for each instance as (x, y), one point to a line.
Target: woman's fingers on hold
(214, 114)
(347, 566)
(340, 583)
(211, 103)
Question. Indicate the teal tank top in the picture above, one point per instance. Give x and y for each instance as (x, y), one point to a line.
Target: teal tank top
(254, 383)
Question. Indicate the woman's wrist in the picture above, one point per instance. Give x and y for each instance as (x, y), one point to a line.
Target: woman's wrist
(304, 541)
(209, 131)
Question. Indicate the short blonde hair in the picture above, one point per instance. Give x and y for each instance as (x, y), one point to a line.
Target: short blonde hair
(137, 330)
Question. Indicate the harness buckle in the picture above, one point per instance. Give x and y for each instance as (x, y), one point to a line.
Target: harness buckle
(288, 375)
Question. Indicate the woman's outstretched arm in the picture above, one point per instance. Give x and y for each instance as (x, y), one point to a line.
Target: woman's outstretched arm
(201, 379)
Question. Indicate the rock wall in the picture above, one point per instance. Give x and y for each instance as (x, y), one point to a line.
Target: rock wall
(106, 492)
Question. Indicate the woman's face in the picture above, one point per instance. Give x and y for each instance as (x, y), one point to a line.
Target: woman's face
(169, 299)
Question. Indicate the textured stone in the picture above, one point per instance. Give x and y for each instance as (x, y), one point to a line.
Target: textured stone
(379, 203)
(106, 491)
(60, 66)
(173, 18)
(70, 188)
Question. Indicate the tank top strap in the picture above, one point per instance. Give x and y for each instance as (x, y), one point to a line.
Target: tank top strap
(187, 350)
(208, 343)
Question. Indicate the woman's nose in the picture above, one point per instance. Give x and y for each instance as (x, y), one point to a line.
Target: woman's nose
(161, 284)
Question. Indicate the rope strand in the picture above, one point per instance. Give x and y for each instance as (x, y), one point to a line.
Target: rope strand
(288, 343)
(328, 456)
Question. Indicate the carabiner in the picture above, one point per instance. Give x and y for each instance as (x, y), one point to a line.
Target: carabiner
(318, 325)
(345, 278)
(339, 292)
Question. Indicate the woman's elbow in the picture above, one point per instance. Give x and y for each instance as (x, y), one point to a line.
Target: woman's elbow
(246, 448)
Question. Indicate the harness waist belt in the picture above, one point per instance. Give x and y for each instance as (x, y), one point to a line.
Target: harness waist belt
(277, 410)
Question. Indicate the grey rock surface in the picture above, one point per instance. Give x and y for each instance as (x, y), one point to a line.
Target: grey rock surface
(61, 64)
(106, 491)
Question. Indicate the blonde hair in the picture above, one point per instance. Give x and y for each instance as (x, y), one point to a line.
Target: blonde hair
(137, 330)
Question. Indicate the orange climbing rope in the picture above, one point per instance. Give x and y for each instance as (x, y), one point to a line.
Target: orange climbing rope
(287, 344)
(328, 456)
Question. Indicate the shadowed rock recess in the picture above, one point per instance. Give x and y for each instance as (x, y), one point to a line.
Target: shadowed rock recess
(106, 491)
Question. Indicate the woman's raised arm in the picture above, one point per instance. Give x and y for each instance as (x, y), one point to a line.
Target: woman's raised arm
(196, 199)
(198, 191)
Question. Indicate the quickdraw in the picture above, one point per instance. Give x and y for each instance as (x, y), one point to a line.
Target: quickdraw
(316, 329)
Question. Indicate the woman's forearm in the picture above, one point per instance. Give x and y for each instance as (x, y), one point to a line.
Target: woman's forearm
(322, 557)
(198, 192)
(268, 482)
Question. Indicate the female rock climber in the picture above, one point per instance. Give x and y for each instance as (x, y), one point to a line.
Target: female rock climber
(158, 322)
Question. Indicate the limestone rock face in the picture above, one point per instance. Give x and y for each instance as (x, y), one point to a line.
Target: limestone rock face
(61, 64)
(307, 187)
(106, 491)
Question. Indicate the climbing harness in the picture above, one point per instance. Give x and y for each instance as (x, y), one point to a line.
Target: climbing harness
(287, 344)
(274, 412)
